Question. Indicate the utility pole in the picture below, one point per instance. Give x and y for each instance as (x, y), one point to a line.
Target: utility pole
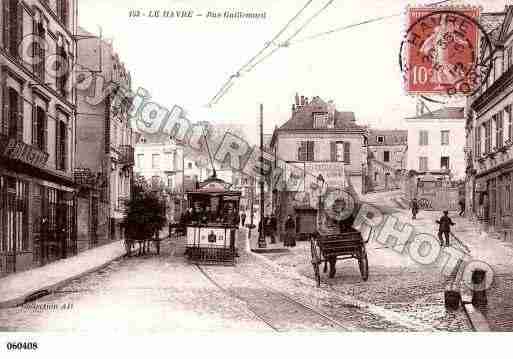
(261, 235)
(252, 212)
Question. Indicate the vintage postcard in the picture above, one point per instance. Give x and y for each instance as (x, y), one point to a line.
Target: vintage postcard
(267, 169)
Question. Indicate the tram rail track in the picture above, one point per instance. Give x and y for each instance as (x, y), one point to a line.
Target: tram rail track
(274, 299)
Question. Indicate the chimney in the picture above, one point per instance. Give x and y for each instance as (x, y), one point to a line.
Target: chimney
(297, 99)
(302, 100)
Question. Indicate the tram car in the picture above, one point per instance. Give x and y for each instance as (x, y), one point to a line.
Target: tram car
(212, 222)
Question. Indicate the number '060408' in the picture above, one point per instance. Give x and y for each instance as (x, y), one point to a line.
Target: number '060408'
(21, 346)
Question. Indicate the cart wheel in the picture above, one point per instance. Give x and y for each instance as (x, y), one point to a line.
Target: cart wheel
(316, 260)
(364, 264)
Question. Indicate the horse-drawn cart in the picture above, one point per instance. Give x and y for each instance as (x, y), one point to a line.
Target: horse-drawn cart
(328, 248)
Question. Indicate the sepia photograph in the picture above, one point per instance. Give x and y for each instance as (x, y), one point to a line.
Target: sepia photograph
(272, 177)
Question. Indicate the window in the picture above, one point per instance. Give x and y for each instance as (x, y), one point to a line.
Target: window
(337, 151)
(189, 165)
(478, 142)
(12, 125)
(140, 159)
(510, 56)
(37, 49)
(488, 132)
(62, 72)
(375, 176)
(155, 161)
(444, 162)
(39, 128)
(347, 154)
(61, 140)
(380, 139)
(306, 151)
(322, 120)
(423, 138)
(423, 164)
(509, 119)
(499, 129)
(62, 11)
(13, 32)
(444, 137)
(386, 156)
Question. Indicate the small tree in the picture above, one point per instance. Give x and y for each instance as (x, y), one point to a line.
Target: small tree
(145, 216)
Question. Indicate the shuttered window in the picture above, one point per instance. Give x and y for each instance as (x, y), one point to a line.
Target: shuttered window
(306, 151)
(39, 50)
(337, 151)
(509, 120)
(62, 80)
(423, 138)
(63, 11)
(478, 142)
(39, 128)
(60, 145)
(12, 121)
(347, 154)
(488, 134)
(13, 25)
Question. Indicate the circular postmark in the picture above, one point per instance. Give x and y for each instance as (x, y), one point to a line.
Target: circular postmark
(445, 54)
(339, 204)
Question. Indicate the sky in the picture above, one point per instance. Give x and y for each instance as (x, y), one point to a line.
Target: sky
(185, 61)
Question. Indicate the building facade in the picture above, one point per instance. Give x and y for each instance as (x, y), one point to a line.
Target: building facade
(322, 141)
(37, 130)
(436, 143)
(105, 141)
(489, 131)
(387, 155)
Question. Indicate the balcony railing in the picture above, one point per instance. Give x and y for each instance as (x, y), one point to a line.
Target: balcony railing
(126, 155)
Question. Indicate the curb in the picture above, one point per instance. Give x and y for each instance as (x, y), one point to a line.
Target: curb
(46, 290)
(477, 320)
(387, 314)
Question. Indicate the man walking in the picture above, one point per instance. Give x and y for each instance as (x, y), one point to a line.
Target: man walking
(462, 206)
(444, 228)
(414, 208)
(273, 223)
(290, 240)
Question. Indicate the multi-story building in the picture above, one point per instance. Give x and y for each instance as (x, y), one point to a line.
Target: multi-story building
(489, 130)
(435, 142)
(37, 131)
(322, 141)
(387, 154)
(105, 140)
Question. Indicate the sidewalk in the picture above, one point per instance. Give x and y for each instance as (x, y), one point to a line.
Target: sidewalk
(16, 288)
(486, 247)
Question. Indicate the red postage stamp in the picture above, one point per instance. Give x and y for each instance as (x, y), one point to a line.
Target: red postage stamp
(440, 52)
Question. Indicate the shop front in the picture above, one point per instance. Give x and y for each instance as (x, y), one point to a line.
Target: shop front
(37, 210)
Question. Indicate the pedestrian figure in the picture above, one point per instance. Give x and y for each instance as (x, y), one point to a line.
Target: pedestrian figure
(290, 238)
(444, 228)
(273, 224)
(243, 218)
(462, 206)
(414, 208)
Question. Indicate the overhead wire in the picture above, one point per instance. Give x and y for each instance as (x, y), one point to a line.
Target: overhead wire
(266, 46)
(288, 42)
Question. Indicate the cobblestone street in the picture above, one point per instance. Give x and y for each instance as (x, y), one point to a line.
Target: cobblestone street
(165, 293)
